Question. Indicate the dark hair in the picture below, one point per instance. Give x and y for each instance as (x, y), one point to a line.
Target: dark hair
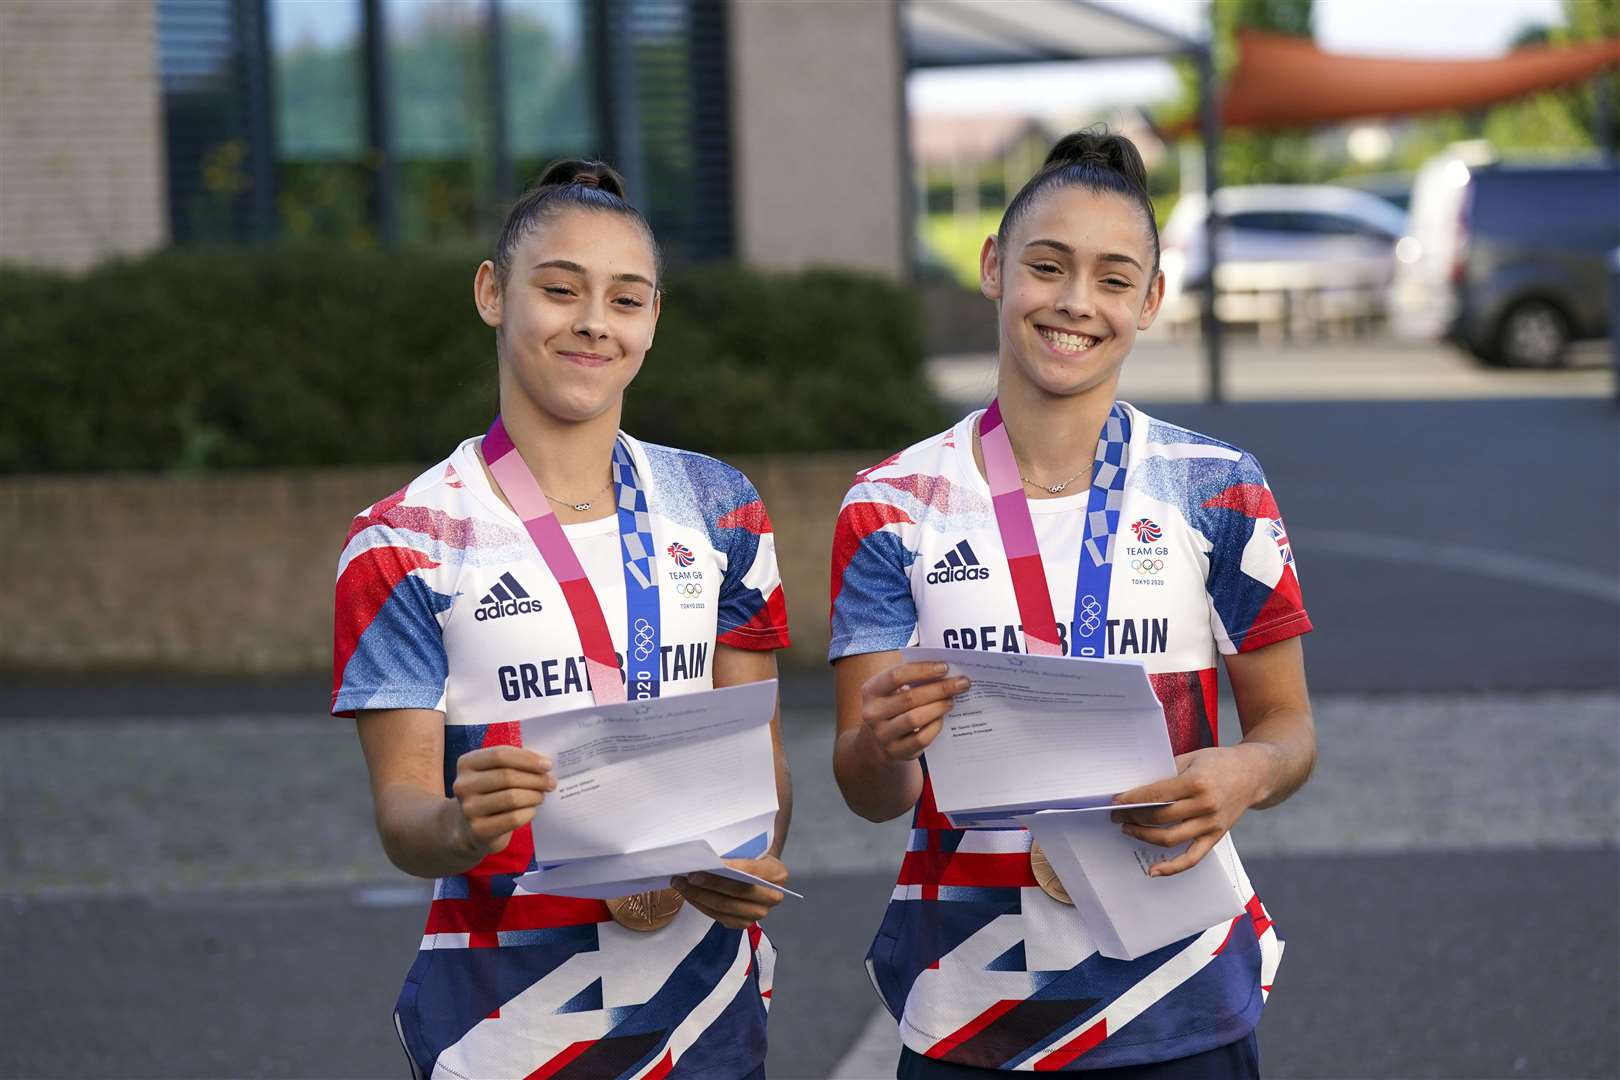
(570, 183)
(1095, 159)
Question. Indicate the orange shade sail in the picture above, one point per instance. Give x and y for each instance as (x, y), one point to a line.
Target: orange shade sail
(1282, 81)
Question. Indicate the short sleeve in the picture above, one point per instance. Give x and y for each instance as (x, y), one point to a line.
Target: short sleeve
(1253, 582)
(752, 610)
(872, 606)
(388, 647)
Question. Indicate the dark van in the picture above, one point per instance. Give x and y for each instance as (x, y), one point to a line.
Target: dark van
(1526, 260)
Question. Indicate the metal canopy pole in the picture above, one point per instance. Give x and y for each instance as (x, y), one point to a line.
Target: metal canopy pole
(253, 22)
(379, 126)
(1210, 123)
(500, 187)
(1603, 91)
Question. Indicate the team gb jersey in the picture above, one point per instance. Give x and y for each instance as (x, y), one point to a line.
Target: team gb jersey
(978, 964)
(444, 603)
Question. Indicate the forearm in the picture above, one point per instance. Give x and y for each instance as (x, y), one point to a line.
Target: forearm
(784, 802)
(737, 667)
(1282, 744)
(874, 786)
(423, 833)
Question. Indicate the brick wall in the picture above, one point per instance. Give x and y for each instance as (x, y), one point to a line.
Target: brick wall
(81, 132)
(233, 574)
(818, 129)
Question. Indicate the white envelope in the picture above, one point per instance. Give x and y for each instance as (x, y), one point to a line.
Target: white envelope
(620, 875)
(1128, 913)
(607, 876)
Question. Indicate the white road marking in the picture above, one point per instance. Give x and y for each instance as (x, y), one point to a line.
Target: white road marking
(1482, 561)
(392, 896)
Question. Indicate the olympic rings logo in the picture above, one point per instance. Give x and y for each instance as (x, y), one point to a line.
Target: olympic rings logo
(1090, 610)
(1147, 566)
(689, 589)
(644, 639)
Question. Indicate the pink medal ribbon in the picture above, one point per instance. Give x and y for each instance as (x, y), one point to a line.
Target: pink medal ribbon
(1105, 499)
(1018, 536)
(517, 483)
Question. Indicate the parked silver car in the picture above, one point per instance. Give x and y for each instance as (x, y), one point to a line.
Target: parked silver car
(1291, 254)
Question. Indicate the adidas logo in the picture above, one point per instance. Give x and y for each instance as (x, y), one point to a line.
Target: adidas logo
(959, 564)
(506, 598)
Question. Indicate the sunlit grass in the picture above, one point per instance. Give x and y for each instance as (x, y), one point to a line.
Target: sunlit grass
(955, 242)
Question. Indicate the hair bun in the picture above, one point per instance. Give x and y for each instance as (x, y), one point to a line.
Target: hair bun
(1101, 149)
(596, 174)
(570, 184)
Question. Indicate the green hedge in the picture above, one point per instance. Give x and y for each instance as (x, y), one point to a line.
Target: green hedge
(282, 357)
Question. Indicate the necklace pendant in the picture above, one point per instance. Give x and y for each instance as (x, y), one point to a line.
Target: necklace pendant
(1057, 488)
(582, 507)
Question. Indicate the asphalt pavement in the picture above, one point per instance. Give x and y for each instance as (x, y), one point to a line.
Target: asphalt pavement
(193, 889)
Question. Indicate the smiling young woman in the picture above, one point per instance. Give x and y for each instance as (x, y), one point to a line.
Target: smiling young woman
(1139, 539)
(535, 569)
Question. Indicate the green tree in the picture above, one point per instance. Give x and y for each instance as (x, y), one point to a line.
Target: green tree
(1555, 123)
(442, 130)
(1249, 157)
(1591, 20)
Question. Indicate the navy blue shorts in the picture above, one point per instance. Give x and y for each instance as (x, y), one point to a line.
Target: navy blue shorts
(1234, 1061)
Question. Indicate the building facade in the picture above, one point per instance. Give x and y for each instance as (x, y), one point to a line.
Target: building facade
(81, 133)
(766, 131)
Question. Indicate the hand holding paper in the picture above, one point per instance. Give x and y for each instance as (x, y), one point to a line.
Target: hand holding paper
(736, 901)
(1042, 732)
(1128, 911)
(655, 789)
(1061, 745)
(498, 789)
(902, 708)
(1210, 791)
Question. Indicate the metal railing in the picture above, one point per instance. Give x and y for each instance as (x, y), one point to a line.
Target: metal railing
(1287, 301)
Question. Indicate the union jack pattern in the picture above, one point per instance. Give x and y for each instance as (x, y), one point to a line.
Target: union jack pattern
(1279, 535)
(517, 984)
(976, 963)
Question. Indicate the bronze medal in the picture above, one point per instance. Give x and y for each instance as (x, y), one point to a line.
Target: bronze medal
(1045, 876)
(647, 911)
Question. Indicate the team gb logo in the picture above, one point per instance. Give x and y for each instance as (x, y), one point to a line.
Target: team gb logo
(681, 554)
(1147, 531)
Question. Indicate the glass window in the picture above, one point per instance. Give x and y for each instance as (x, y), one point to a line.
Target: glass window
(319, 79)
(470, 127)
(438, 65)
(550, 105)
(205, 128)
(317, 54)
(681, 123)
(1270, 221)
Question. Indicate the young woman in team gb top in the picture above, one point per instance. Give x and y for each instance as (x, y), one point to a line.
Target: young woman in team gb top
(1133, 538)
(511, 580)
